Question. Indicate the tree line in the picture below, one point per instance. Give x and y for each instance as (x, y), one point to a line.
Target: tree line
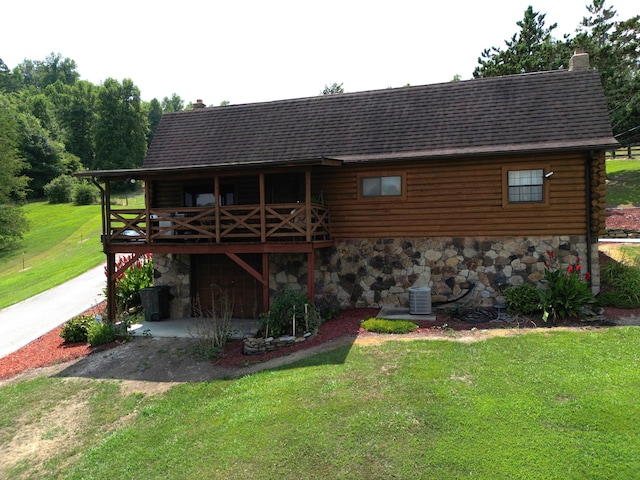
(52, 124)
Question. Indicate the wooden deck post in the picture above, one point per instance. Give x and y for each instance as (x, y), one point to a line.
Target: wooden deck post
(263, 213)
(265, 285)
(111, 288)
(308, 204)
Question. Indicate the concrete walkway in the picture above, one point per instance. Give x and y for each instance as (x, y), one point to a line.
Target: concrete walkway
(24, 322)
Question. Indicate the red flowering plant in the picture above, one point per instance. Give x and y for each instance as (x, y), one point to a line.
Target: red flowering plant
(566, 291)
(128, 284)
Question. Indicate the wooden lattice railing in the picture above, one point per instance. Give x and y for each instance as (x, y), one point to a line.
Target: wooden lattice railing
(237, 223)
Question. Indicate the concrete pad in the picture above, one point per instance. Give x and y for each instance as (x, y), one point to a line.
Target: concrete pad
(189, 328)
(399, 313)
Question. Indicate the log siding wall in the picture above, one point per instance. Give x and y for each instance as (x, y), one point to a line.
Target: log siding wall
(464, 197)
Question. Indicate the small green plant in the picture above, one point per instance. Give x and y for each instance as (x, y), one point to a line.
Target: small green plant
(291, 313)
(382, 325)
(565, 293)
(101, 333)
(522, 299)
(76, 329)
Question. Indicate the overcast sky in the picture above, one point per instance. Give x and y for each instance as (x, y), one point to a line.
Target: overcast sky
(250, 51)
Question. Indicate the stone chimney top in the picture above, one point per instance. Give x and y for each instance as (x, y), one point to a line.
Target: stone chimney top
(198, 104)
(579, 61)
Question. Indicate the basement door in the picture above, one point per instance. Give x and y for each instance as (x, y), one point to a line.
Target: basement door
(215, 275)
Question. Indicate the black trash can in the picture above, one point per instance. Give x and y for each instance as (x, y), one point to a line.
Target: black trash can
(155, 302)
(164, 299)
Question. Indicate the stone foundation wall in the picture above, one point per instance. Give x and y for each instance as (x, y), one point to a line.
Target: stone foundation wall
(372, 273)
(175, 271)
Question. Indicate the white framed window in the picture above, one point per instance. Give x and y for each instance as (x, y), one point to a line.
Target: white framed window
(383, 186)
(526, 185)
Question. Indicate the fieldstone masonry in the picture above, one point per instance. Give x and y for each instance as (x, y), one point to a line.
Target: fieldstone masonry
(175, 271)
(373, 273)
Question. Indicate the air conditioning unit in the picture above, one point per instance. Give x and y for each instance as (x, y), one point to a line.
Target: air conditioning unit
(420, 300)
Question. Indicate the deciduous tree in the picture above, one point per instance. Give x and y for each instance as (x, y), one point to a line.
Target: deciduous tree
(13, 223)
(154, 115)
(121, 127)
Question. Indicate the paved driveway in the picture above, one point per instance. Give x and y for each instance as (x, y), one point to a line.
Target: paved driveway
(22, 323)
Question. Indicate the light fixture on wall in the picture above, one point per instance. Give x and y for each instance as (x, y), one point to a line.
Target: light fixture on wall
(548, 175)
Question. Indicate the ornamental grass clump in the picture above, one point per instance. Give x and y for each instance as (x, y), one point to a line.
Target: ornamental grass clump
(565, 292)
(382, 325)
(620, 285)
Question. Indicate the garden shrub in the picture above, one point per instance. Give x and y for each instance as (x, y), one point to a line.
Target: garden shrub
(101, 333)
(327, 305)
(620, 285)
(59, 189)
(279, 320)
(382, 325)
(522, 299)
(565, 293)
(77, 329)
(128, 285)
(84, 194)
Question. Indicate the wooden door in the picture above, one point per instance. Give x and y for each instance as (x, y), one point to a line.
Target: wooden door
(215, 275)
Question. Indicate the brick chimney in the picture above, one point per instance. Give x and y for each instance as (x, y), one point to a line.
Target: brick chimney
(579, 61)
(200, 104)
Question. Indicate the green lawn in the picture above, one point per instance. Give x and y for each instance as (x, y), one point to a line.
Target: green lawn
(545, 405)
(623, 183)
(62, 243)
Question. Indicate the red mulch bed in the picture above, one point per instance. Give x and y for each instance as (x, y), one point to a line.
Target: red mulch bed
(46, 350)
(51, 349)
(624, 218)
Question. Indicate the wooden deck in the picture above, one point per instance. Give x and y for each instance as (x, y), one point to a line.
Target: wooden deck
(277, 223)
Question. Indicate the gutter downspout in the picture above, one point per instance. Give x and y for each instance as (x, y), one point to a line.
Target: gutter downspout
(588, 195)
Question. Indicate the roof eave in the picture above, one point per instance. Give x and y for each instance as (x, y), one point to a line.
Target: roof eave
(141, 173)
(594, 144)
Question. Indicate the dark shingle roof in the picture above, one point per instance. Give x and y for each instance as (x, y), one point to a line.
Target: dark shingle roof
(530, 112)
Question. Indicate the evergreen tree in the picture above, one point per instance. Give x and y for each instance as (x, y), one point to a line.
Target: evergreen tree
(613, 48)
(533, 49)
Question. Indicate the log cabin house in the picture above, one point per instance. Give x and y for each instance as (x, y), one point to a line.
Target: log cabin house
(456, 186)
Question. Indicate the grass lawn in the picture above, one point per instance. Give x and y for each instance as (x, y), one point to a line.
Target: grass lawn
(545, 405)
(623, 183)
(62, 243)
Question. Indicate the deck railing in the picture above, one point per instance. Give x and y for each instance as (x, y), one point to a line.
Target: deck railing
(285, 222)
